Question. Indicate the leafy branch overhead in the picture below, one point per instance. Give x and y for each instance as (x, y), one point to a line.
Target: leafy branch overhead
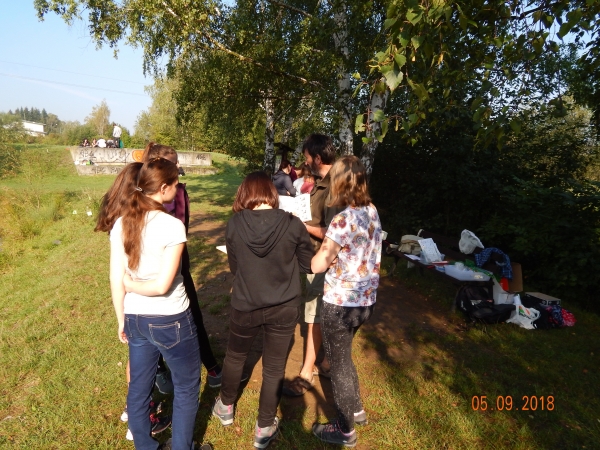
(434, 46)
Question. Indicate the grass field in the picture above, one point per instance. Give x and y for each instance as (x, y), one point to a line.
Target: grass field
(62, 373)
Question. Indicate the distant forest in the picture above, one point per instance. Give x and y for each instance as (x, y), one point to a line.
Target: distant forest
(36, 115)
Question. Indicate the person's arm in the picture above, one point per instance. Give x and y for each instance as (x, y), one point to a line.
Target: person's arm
(161, 284)
(325, 256)
(304, 250)
(287, 181)
(318, 232)
(117, 288)
(230, 249)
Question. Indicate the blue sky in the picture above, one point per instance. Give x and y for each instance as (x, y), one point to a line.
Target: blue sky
(51, 65)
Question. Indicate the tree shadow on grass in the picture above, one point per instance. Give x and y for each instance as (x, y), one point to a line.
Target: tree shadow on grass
(435, 366)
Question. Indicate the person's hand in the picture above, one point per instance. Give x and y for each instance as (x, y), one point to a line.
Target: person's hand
(121, 334)
(127, 282)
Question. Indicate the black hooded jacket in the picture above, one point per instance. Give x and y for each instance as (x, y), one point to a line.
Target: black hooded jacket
(267, 249)
(283, 183)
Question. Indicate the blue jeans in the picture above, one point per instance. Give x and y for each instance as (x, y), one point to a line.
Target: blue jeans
(175, 338)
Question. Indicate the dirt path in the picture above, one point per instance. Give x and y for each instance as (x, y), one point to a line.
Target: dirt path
(397, 311)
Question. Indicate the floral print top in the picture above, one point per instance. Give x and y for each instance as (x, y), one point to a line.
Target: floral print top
(353, 280)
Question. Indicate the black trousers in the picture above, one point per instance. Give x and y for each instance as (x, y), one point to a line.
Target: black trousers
(278, 323)
(206, 354)
(339, 324)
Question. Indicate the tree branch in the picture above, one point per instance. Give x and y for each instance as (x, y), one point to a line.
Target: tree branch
(300, 11)
(241, 57)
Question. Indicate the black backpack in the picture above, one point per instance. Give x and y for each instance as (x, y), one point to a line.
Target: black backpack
(473, 301)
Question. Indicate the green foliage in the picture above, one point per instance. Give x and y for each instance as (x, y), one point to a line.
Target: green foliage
(530, 198)
(99, 119)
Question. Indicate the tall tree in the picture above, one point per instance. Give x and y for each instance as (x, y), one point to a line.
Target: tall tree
(99, 118)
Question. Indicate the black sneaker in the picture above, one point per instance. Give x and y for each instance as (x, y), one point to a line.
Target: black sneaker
(263, 436)
(214, 378)
(163, 382)
(159, 424)
(331, 433)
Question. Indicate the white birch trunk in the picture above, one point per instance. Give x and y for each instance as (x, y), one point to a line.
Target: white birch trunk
(340, 39)
(269, 161)
(367, 156)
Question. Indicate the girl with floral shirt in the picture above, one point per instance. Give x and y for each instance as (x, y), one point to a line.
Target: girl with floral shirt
(351, 256)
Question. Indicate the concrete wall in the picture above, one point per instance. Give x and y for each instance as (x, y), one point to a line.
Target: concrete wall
(112, 160)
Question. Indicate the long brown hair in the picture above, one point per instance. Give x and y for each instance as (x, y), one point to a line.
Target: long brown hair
(152, 176)
(255, 190)
(117, 196)
(349, 183)
(154, 150)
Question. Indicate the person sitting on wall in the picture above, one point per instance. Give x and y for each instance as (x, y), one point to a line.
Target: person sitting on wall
(85, 143)
(94, 143)
(102, 143)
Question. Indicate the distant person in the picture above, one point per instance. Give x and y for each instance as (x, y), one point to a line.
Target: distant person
(101, 143)
(117, 135)
(110, 144)
(262, 239)
(85, 143)
(350, 256)
(94, 143)
(309, 183)
(303, 170)
(282, 180)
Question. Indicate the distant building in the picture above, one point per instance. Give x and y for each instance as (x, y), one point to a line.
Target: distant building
(34, 128)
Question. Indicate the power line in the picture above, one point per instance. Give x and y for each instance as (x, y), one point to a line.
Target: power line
(75, 73)
(69, 84)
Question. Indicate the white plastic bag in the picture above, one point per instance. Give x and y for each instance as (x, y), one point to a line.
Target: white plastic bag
(501, 297)
(524, 317)
(468, 242)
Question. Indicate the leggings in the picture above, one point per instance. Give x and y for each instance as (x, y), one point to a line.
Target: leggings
(339, 324)
(208, 359)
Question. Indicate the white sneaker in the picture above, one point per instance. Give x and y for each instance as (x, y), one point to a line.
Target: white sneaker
(129, 436)
(124, 415)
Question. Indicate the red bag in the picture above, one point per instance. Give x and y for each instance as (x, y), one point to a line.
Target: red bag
(568, 318)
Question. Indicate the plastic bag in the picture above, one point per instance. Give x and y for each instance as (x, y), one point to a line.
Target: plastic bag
(524, 317)
(501, 297)
(468, 242)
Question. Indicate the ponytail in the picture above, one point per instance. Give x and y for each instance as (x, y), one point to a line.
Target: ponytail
(151, 177)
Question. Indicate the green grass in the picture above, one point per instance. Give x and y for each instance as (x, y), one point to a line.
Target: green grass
(62, 379)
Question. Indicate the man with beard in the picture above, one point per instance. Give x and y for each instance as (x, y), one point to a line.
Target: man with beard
(319, 154)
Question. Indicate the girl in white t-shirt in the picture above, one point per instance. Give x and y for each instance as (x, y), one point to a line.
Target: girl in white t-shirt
(350, 255)
(151, 304)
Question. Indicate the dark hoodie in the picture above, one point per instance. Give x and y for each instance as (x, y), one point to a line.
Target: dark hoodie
(283, 183)
(267, 249)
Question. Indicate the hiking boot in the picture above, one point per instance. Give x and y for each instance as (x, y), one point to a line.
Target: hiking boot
(163, 382)
(223, 412)
(263, 436)
(331, 433)
(159, 424)
(360, 418)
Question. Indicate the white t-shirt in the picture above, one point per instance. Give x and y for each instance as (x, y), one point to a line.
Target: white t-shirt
(101, 143)
(298, 184)
(354, 279)
(161, 231)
